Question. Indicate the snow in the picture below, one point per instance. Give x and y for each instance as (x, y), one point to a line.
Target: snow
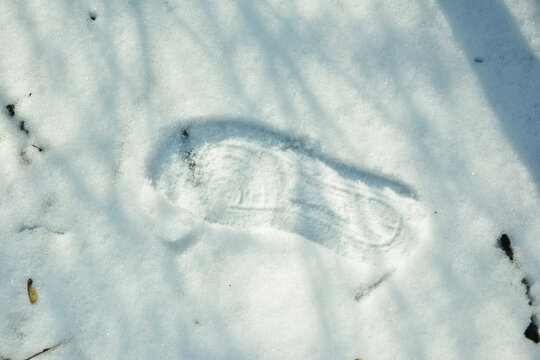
(345, 173)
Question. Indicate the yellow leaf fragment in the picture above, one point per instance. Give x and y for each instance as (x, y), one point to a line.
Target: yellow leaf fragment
(32, 293)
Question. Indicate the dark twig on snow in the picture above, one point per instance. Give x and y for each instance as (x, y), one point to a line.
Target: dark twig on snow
(44, 350)
(531, 332)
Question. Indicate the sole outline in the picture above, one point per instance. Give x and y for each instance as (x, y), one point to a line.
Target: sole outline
(202, 148)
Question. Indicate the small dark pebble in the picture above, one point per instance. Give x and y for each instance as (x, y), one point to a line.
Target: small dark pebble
(185, 134)
(532, 332)
(11, 109)
(92, 15)
(506, 246)
(478, 60)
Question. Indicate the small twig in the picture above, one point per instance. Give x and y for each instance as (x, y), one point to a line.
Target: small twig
(40, 149)
(44, 350)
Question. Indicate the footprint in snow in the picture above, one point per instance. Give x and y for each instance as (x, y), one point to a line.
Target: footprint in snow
(231, 172)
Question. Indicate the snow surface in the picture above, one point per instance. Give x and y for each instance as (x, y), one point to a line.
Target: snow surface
(269, 180)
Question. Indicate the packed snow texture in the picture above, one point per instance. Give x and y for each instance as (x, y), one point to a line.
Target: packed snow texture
(269, 180)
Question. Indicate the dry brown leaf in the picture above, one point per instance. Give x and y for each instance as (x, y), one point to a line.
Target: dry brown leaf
(32, 293)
